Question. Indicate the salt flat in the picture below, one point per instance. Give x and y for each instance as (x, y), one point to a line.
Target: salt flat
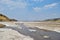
(35, 31)
(9, 34)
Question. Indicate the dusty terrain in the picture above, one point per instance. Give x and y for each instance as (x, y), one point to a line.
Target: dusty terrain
(52, 26)
(35, 30)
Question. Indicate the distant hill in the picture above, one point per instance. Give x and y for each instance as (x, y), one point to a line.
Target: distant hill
(5, 18)
(54, 20)
(47, 20)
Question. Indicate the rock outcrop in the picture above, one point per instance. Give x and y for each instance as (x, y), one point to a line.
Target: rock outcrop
(1, 25)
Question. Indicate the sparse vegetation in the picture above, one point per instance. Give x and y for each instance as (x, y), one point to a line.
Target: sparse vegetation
(5, 18)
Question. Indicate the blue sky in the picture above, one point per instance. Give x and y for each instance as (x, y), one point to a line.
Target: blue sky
(30, 9)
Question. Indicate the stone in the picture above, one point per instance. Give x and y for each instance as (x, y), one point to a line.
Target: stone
(1, 25)
(46, 37)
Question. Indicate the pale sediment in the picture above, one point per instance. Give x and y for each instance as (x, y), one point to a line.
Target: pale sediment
(9, 34)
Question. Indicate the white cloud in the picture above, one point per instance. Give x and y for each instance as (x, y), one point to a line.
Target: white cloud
(51, 5)
(13, 4)
(37, 9)
(1, 8)
(38, 0)
(54, 14)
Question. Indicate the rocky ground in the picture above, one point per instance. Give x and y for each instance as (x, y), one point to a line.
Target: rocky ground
(9, 34)
(25, 32)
